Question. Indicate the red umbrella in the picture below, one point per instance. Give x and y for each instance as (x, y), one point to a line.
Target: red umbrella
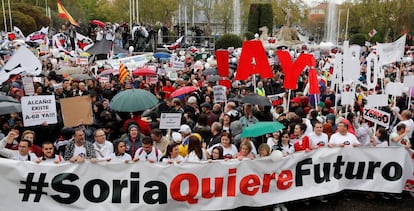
(183, 90)
(98, 23)
(144, 72)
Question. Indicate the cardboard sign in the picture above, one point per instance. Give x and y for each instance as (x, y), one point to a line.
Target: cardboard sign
(377, 116)
(219, 94)
(28, 85)
(76, 111)
(170, 120)
(377, 100)
(39, 109)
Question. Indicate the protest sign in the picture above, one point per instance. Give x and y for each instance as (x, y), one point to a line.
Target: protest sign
(28, 85)
(377, 116)
(170, 120)
(219, 94)
(76, 111)
(203, 186)
(39, 109)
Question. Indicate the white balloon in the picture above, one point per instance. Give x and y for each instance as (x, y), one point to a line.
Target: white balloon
(53, 61)
(202, 50)
(182, 53)
(182, 58)
(233, 60)
(55, 52)
(131, 49)
(207, 65)
(276, 156)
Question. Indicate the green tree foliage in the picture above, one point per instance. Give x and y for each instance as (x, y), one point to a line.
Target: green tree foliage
(25, 22)
(228, 40)
(37, 13)
(260, 15)
(358, 39)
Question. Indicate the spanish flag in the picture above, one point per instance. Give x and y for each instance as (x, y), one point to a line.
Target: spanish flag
(123, 73)
(63, 13)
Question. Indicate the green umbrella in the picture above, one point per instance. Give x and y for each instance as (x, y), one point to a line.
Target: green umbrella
(261, 128)
(133, 100)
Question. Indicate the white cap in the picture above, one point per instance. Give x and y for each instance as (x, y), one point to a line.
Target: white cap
(185, 129)
(176, 137)
(192, 99)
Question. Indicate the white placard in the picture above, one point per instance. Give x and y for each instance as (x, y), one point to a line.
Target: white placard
(178, 65)
(219, 94)
(394, 89)
(39, 109)
(170, 120)
(28, 85)
(347, 98)
(409, 81)
(377, 116)
(377, 100)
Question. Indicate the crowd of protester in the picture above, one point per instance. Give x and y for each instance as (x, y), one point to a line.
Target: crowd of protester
(209, 131)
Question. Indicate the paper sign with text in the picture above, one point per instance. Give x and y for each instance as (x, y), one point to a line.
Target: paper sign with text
(170, 121)
(377, 116)
(39, 109)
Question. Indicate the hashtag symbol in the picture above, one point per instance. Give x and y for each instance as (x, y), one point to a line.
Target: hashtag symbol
(33, 187)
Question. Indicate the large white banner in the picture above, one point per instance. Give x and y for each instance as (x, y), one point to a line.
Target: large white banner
(39, 109)
(202, 186)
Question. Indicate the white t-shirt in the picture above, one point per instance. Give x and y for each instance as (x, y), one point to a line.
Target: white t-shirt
(410, 125)
(232, 150)
(318, 141)
(79, 151)
(402, 142)
(349, 139)
(123, 157)
(272, 142)
(288, 149)
(178, 159)
(155, 154)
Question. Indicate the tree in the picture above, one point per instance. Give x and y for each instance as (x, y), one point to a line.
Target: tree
(228, 40)
(37, 13)
(260, 15)
(25, 22)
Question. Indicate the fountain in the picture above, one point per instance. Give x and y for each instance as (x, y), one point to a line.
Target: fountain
(331, 23)
(236, 17)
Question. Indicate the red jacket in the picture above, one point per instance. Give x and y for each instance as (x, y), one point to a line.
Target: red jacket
(305, 144)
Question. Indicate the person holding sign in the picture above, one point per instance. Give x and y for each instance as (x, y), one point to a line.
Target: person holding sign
(343, 138)
(400, 137)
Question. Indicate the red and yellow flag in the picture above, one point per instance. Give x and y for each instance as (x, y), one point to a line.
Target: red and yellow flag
(63, 13)
(123, 73)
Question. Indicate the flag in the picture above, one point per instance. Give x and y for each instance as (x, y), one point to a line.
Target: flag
(391, 52)
(59, 41)
(82, 42)
(40, 36)
(63, 13)
(372, 33)
(123, 73)
(18, 32)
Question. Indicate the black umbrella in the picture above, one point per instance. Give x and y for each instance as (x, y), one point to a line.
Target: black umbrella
(210, 71)
(256, 99)
(5, 98)
(9, 107)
